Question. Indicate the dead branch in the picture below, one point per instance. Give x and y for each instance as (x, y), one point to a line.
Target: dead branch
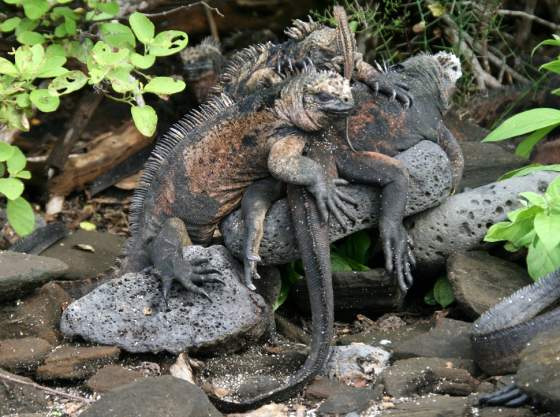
(7, 376)
(529, 16)
(207, 7)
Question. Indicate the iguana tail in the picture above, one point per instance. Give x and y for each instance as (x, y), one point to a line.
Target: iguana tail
(313, 242)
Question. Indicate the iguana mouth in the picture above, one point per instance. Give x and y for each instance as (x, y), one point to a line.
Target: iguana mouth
(341, 109)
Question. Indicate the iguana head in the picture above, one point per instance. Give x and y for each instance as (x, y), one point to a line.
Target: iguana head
(311, 98)
(201, 60)
(432, 76)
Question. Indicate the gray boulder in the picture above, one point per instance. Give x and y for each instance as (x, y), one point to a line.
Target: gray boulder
(460, 223)
(430, 183)
(21, 273)
(125, 312)
(149, 397)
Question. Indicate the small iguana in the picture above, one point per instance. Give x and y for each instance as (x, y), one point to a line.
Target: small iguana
(379, 128)
(202, 66)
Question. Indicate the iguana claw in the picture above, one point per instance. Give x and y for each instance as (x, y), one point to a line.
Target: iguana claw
(250, 270)
(510, 396)
(398, 251)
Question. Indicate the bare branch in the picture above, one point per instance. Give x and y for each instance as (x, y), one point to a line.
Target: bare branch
(528, 16)
(184, 7)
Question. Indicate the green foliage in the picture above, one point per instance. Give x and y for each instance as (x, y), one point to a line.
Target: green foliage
(529, 169)
(534, 226)
(538, 122)
(12, 171)
(110, 56)
(441, 294)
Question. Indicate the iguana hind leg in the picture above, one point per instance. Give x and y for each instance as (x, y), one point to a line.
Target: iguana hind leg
(382, 170)
(257, 199)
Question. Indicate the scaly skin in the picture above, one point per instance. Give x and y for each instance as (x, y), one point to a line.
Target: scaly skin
(501, 333)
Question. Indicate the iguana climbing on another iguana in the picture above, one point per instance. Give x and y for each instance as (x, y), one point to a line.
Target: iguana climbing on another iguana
(378, 129)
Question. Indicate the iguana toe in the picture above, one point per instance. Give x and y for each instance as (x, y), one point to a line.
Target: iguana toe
(510, 396)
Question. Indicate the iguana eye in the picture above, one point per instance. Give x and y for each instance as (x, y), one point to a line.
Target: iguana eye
(324, 97)
(397, 68)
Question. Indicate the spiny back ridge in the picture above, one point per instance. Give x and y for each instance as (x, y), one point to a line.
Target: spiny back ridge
(177, 133)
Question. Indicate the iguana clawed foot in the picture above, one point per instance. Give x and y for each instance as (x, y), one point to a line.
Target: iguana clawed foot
(250, 270)
(331, 199)
(394, 91)
(510, 396)
(398, 251)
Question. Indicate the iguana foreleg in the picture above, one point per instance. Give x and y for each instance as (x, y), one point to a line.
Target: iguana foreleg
(382, 170)
(168, 264)
(257, 199)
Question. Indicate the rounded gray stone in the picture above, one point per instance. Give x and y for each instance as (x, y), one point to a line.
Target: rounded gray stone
(124, 312)
(460, 223)
(429, 185)
(21, 273)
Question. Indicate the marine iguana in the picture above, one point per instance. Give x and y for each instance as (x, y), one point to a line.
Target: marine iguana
(202, 66)
(379, 128)
(500, 334)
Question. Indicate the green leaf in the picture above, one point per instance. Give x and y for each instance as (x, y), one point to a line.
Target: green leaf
(26, 25)
(355, 246)
(552, 66)
(142, 61)
(110, 8)
(534, 199)
(29, 60)
(541, 261)
(526, 146)
(553, 190)
(55, 50)
(44, 100)
(6, 67)
(60, 31)
(6, 151)
(88, 226)
(103, 54)
(25, 175)
(16, 163)
(20, 216)
(339, 263)
(122, 81)
(548, 230)
(70, 26)
(520, 172)
(145, 119)
(443, 293)
(525, 122)
(164, 85)
(437, 9)
(12, 188)
(117, 35)
(52, 66)
(30, 38)
(168, 42)
(10, 24)
(22, 100)
(429, 298)
(67, 83)
(516, 231)
(34, 9)
(550, 42)
(2, 170)
(143, 28)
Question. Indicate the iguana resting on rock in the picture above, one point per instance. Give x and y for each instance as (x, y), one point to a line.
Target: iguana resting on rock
(202, 66)
(380, 128)
(500, 334)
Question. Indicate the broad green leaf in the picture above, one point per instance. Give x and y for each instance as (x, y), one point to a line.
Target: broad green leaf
(437, 9)
(443, 293)
(60, 31)
(88, 226)
(355, 246)
(516, 231)
(103, 54)
(117, 35)
(10, 24)
(169, 42)
(550, 42)
(6, 151)
(34, 9)
(143, 28)
(541, 261)
(520, 172)
(524, 122)
(142, 61)
(526, 146)
(145, 119)
(534, 199)
(55, 50)
(548, 230)
(122, 81)
(25, 175)
(29, 60)
(339, 263)
(16, 163)
(26, 25)
(6, 67)
(429, 298)
(110, 8)
(11, 188)
(70, 26)
(44, 100)
(164, 85)
(553, 190)
(556, 92)
(67, 83)
(30, 38)
(552, 66)
(52, 66)
(20, 216)
(2, 170)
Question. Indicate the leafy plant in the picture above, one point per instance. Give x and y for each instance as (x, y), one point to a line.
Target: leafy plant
(106, 54)
(441, 293)
(538, 122)
(534, 226)
(12, 171)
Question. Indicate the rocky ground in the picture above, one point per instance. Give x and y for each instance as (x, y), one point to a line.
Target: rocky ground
(392, 356)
